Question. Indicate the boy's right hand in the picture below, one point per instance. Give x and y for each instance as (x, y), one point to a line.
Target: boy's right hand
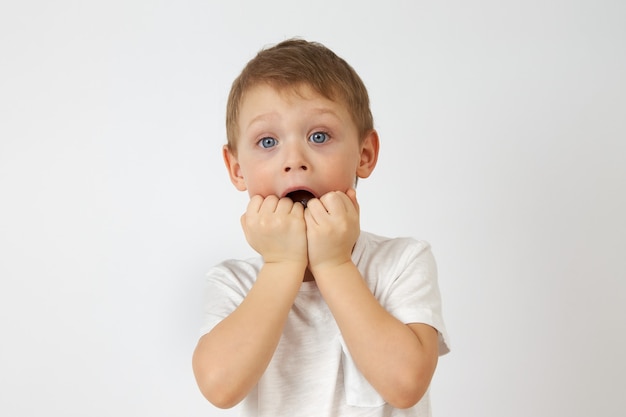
(276, 229)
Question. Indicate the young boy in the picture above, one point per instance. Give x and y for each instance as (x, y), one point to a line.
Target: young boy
(330, 320)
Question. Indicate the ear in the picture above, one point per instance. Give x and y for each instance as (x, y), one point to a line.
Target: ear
(369, 155)
(234, 169)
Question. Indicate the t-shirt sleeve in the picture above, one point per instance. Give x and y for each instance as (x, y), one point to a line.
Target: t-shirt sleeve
(223, 292)
(413, 294)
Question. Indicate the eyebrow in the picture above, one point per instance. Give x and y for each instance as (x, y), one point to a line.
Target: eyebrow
(274, 115)
(263, 117)
(325, 110)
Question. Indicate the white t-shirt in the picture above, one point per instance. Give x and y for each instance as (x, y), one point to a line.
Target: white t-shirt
(312, 372)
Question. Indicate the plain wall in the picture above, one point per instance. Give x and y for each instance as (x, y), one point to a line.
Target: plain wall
(503, 129)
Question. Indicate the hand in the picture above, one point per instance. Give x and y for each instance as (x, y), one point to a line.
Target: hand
(332, 228)
(275, 228)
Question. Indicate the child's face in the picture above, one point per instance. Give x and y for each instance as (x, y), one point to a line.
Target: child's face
(297, 140)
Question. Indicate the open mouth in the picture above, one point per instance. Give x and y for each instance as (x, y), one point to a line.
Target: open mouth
(301, 196)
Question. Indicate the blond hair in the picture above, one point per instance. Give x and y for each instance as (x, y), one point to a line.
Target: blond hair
(295, 62)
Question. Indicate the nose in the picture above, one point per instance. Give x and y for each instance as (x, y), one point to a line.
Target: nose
(302, 167)
(295, 160)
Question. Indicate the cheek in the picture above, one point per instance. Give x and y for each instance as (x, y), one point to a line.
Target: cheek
(344, 171)
(347, 164)
(258, 178)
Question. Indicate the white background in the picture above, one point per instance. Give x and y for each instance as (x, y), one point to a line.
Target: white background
(503, 127)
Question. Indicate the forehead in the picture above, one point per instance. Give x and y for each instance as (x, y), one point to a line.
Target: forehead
(266, 98)
(285, 92)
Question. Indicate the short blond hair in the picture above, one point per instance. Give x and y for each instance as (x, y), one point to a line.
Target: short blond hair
(295, 62)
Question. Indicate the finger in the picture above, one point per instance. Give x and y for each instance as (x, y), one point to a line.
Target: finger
(348, 200)
(284, 205)
(254, 205)
(309, 217)
(316, 208)
(336, 202)
(296, 208)
(269, 204)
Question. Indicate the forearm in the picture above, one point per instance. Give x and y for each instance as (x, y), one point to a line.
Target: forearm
(397, 361)
(230, 359)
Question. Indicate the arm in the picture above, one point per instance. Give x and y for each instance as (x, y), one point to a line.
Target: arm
(230, 359)
(397, 359)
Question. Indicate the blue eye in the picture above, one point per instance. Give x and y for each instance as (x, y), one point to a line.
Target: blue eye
(267, 142)
(319, 137)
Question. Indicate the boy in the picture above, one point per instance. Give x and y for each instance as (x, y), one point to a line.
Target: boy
(329, 321)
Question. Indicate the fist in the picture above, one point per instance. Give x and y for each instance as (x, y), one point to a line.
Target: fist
(276, 229)
(332, 228)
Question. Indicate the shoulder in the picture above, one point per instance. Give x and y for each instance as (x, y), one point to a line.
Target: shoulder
(372, 245)
(238, 272)
(384, 260)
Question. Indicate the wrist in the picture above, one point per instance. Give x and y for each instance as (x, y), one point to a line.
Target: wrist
(281, 258)
(333, 268)
(286, 266)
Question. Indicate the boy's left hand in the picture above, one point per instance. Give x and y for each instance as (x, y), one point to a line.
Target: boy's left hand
(332, 229)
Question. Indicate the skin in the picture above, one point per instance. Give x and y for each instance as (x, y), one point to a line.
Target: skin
(290, 140)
